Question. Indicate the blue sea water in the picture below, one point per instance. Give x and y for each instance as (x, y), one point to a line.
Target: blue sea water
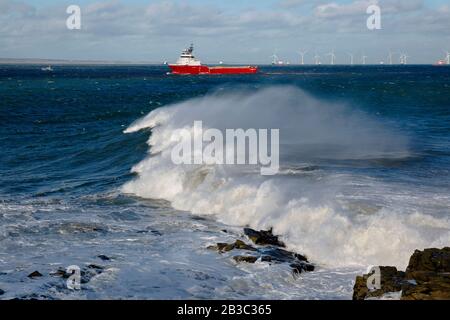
(366, 178)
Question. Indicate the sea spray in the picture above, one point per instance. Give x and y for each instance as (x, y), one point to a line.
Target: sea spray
(325, 214)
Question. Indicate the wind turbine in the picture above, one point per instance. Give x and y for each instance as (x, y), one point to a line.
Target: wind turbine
(317, 59)
(404, 58)
(390, 57)
(302, 53)
(447, 56)
(352, 58)
(333, 56)
(364, 59)
(275, 59)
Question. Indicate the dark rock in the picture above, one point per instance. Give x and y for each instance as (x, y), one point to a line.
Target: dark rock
(300, 267)
(426, 278)
(391, 281)
(86, 273)
(269, 251)
(241, 245)
(428, 273)
(94, 266)
(435, 260)
(248, 259)
(156, 233)
(281, 255)
(61, 273)
(427, 286)
(90, 271)
(225, 247)
(104, 258)
(35, 274)
(263, 237)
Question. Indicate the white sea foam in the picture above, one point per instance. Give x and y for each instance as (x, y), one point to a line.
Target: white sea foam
(336, 219)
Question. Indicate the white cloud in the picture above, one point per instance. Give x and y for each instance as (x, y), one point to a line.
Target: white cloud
(333, 9)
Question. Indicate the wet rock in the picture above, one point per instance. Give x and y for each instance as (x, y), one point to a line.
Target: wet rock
(427, 277)
(35, 274)
(300, 267)
(297, 262)
(241, 245)
(104, 258)
(96, 267)
(269, 251)
(263, 237)
(427, 287)
(92, 270)
(391, 281)
(86, 273)
(225, 247)
(281, 255)
(222, 247)
(60, 273)
(248, 259)
(156, 233)
(434, 260)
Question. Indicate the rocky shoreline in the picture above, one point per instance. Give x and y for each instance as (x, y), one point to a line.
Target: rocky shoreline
(427, 277)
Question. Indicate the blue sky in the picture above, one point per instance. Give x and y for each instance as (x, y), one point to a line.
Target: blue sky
(245, 31)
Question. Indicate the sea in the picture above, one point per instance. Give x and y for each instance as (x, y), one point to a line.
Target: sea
(86, 179)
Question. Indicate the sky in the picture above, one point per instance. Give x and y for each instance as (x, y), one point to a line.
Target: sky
(232, 31)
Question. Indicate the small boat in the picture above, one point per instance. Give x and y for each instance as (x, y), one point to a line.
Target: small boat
(48, 69)
(440, 63)
(187, 64)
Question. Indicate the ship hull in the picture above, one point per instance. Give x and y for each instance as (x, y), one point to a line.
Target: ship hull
(195, 70)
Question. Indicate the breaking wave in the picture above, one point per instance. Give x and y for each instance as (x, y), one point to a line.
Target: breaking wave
(336, 217)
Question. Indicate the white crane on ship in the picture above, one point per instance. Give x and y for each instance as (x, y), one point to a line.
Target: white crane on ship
(302, 54)
(332, 55)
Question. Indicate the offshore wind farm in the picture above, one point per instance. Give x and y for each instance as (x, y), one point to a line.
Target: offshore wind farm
(313, 57)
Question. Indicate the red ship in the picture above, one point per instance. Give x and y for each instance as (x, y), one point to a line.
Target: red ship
(188, 64)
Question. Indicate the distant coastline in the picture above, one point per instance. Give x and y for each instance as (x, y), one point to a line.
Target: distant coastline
(12, 61)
